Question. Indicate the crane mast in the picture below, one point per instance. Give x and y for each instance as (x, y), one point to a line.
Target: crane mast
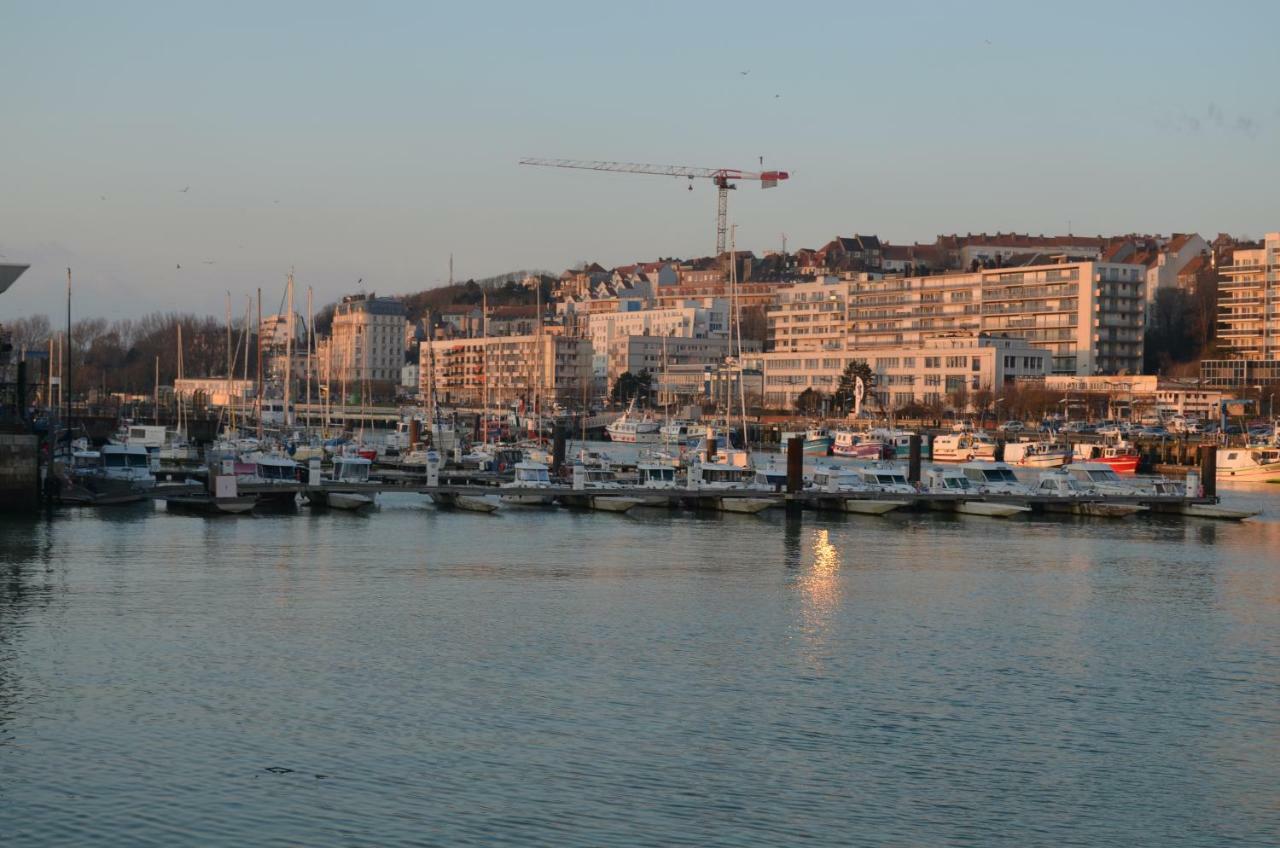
(723, 178)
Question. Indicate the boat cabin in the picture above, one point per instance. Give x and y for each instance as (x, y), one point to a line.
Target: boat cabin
(532, 474)
(351, 469)
(656, 476)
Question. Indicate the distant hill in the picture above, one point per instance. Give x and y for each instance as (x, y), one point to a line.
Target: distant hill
(502, 289)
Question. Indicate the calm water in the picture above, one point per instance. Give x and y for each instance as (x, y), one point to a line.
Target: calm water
(580, 679)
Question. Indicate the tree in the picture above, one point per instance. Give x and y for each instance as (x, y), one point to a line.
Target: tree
(959, 399)
(845, 394)
(983, 399)
(810, 402)
(628, 387)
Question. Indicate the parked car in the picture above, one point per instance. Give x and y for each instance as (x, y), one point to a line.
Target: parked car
(1012, 427)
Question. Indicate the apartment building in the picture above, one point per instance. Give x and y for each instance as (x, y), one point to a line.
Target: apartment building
(1249, 302)
(656, 353)
(809, 317)
(365, 348)
(549, 367)
(935, 370)
(1088, 315)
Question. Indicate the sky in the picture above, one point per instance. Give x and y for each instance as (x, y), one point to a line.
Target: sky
(170, 153)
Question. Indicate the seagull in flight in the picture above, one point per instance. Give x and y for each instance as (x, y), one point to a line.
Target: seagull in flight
(744, 73)
(179, 267)
(184, 190)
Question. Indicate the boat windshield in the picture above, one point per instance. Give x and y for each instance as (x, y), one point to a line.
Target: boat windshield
(125, 460)
(1000, 475)
(357, 472)
(271, 471)
(891, 478)
(1104, 476)
(956, 482)
(664, 474)
(598, 476)
(722, 475)
(533, 475)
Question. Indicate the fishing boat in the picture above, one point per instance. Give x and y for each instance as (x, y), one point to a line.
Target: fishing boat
(1120, 455)
(631, 428)
(963, 447)
(897, 442)
(858, 445)
(1254, 464)
(528, 476)
(953, 481)
(1042, 454)
(1102, 478)
(817, 441)
(679, 432)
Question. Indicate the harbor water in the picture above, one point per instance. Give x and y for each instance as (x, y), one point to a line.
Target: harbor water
(418, 677)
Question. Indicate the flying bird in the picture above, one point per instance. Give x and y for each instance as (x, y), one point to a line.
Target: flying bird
(179, 267)
(102, 197)
(184, 189)
(744, 73)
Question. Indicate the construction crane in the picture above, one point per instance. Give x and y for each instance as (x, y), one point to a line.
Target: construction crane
(724, 179)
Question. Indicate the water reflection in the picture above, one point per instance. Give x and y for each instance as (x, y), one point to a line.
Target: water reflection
(818, 585)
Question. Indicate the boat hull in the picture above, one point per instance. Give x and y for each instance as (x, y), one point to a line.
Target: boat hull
(868, 506)
(528, 500)
(990, 509)
(349, 500)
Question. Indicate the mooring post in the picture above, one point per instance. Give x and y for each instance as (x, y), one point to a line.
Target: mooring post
(913, 458)
(795, 471)
(557, 450)
(415, 432)
(711, 445)
(1209, 470)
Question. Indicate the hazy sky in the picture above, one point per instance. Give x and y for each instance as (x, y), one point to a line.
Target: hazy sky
(370, 140)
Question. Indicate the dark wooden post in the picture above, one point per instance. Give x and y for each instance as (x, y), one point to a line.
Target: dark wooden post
(557, 450)
(1209, 470)
(913, 458)
(795, 464)
(415, 432)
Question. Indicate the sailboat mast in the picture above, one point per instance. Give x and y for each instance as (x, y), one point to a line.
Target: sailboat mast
(288, 353)
(67, 367)
(736, 306)
(258, 391)
(311, 343)
(484, 336)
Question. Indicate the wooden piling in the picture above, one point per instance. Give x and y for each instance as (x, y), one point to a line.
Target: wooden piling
(795, 464)
(1209, 470)
(913, 458)
(557, 450)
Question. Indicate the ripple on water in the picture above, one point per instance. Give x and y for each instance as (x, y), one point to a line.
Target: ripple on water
(416, 677)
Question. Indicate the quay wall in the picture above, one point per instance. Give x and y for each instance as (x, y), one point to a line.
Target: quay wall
(19, 472)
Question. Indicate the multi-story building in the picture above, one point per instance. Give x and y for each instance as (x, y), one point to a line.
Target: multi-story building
(656, 353)
(1248, 318)
(502, 370)
(1249, 302)
(365, 348)
(936, 370)
(1087, 315)
(809, 317)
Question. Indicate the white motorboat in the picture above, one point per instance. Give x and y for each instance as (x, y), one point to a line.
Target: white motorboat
(117, 474)
(593, 488)
(1047, 454)
(953, 481)
(852, 493)
(996, 478)
(1101, 478)
(469, 503)
(531, 486)
(726, 486)
(1254, 464)
(347, 470)
(885, 477)
(1078, 498)
(963, 447)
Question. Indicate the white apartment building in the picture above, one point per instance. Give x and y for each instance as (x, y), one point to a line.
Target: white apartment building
(932, 371)
(366, 344)
(810, 317)
(1249, 303)
(706, 318)
(1089, 316)
(550, 368)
